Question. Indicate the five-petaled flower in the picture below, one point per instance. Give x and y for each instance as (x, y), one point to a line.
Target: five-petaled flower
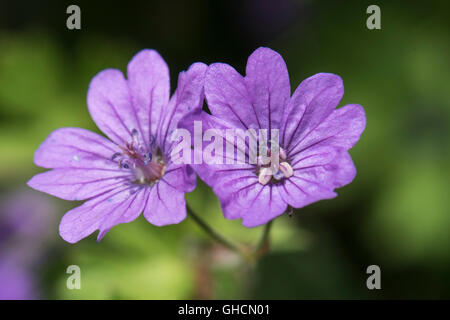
(131, 172)
(314, 137)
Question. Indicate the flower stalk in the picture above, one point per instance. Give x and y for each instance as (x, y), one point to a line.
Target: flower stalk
(249, 255)
(264, 244)
(211, 232)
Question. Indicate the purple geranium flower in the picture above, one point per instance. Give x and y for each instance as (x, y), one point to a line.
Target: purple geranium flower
(314, 137)
(132, 172)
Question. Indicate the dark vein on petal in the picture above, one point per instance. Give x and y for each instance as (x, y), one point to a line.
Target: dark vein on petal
(303, 116)
(118, 117)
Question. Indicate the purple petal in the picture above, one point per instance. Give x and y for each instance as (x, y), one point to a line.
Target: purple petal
(344, 168)
(166, 205)
(181, 177)
(110, 104)
(342, 129)
(78, 183)
(125, 211)
(254, 203)
(240, 193)
(217, 175)
(228, 98)
(220, 127)
(317, 172)
(75, 148)
(267, 81)
(299, 192)
(102, 213)
(227, 180)
(188, 98)
(312, 102)
(149, 83)
(313, 157)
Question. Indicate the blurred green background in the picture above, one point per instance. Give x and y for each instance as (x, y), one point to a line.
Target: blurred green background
(395, 214)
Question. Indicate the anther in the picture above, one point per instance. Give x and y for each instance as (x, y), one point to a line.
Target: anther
(265, 175)
(286, 169)
(115, 155)
(147, 158)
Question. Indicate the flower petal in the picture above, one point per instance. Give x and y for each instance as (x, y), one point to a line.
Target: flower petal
(299, 193)
(149, 83)
(228, 98)
(344, 168)
(75, 148)
(110, 105)
(267, 205)
(227, 180)
(125, 211)
(102, 213)
(342, 129)
(181, 177)
(166, 205)
(78, 183)
(254, 203)
(317, 172)
(240, 194)
(313, 157)
(267, 81)
(188, 98)
(312, 102)
(234, 140)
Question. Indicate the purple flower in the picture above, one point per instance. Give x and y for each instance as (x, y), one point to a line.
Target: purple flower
(131, 172)
(314, 137)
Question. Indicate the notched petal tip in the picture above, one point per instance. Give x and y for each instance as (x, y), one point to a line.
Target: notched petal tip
(102, 234)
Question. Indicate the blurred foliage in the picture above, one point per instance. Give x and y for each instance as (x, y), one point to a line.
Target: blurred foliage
(395, 214)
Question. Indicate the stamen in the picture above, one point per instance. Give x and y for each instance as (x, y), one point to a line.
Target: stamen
(125, 164)
(287, 169)
(277, 170)
(134, 135)
(283, 155)
(147, 158)
(115, 156)
(265, 175)
(146, 164)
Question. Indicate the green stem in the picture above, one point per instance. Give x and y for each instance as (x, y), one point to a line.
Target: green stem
(212, 233)
(263, 246)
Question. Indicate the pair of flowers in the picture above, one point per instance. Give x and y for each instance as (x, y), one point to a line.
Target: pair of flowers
(132, 172)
